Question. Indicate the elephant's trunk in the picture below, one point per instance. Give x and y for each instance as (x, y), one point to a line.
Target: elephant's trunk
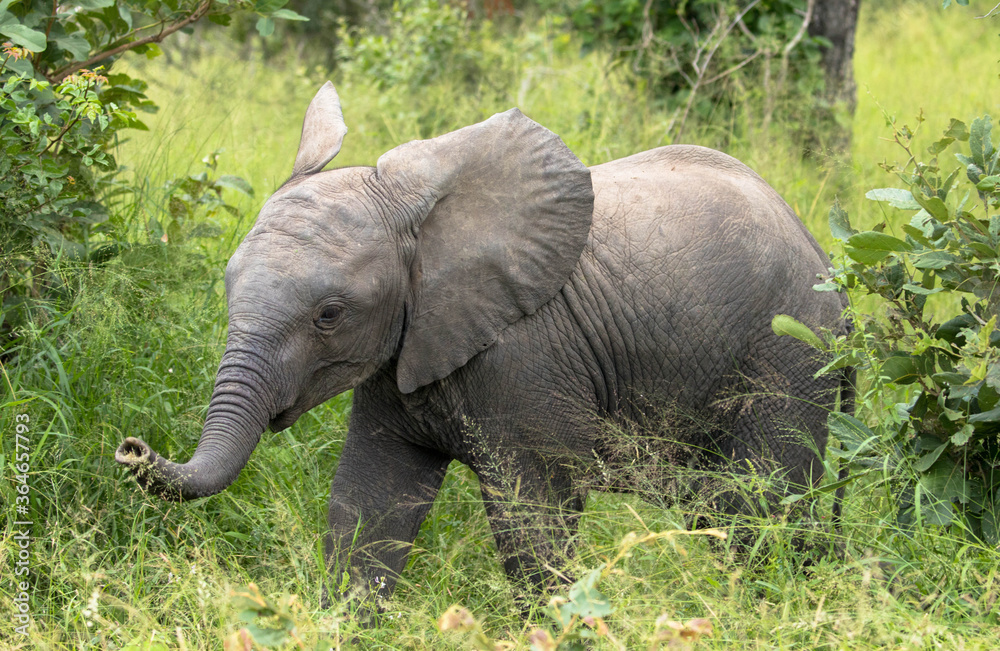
(239, 412)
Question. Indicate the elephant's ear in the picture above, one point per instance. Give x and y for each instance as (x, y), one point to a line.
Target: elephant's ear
(502, 213)
(323, 132)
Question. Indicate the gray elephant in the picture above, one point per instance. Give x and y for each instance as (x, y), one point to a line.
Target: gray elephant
(492, 300)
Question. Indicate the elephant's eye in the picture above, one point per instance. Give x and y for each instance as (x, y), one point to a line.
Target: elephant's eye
(328, 316)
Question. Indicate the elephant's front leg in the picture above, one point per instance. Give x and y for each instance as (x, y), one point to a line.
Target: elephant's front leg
(533, 509)
(381, 494)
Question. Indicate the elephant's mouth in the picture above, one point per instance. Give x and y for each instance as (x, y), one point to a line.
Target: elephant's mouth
(284, 420)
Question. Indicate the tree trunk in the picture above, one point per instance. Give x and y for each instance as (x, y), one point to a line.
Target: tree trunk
(836, 20)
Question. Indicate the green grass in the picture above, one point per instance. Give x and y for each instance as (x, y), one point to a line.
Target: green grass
(137, 351)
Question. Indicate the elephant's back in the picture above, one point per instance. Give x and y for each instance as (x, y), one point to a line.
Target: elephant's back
(690, 256)
(704, 216)
(686, 191)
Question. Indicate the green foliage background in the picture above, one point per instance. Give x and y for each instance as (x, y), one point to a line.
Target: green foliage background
(131, 349)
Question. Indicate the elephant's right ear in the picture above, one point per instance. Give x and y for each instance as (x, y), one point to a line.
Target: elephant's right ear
(322, 132)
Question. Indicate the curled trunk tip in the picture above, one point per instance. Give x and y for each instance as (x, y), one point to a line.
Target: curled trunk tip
(154, 474)
(133, 453)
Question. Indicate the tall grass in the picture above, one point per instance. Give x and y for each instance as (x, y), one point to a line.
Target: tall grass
(136, 352)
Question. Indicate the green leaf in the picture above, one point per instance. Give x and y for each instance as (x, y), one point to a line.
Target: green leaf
(951, 330)
(145, 645)
(851, 432)
(267, 636)
(930, 227)
(866, 256)
(24, 36)
(825, 489)
(850, 358)
(991, 524)
(957, 130)
(899, 368)
(974, 172)
(933, 205)
(917, 235)
(287, 14)
(982, 250)
(152, 51)
(939, 146)
(90, 5)
(962, 436)
(586, 599)
(75, 44)
(988, 183)
(923, 291)
(948, 184)
(925, 462)
(15, 403)
(234, 183)
(878, 242)
(945, 480)
(268, 6)
(951, 379)
(265, 26)
(840, 225)
(987, 396)
(979, 141)
(934, 260)
(782, 325)
(993, 376)
(897, 198)
(991, 416)
(937, 512)
(125, 14)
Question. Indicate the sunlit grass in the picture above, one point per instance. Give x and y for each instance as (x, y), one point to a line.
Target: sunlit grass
(916, 58)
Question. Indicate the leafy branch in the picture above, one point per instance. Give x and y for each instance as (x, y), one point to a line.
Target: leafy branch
(932, 344)
(164, 32)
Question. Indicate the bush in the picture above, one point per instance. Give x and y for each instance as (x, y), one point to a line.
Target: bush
(420, 41)
(698, 54)
(930, 348)
(57, 164)
(60, 117)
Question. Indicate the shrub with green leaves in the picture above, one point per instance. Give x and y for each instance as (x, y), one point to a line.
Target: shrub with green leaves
(195, 202)
(700, 55)
(930, 349)
(56, 140)
(420, 41)
(61, 111)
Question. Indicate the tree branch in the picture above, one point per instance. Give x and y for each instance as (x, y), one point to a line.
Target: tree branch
(795, 41)
(990, 12)
(700, 72)
(733, 69)
(197, 15)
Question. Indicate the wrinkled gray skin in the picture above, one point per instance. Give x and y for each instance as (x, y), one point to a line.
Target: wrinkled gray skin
(493, 301)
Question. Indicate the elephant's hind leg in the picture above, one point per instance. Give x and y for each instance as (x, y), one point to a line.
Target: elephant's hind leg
(778, 437)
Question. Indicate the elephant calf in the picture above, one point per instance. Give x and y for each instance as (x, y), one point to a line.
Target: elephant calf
(490, 299)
